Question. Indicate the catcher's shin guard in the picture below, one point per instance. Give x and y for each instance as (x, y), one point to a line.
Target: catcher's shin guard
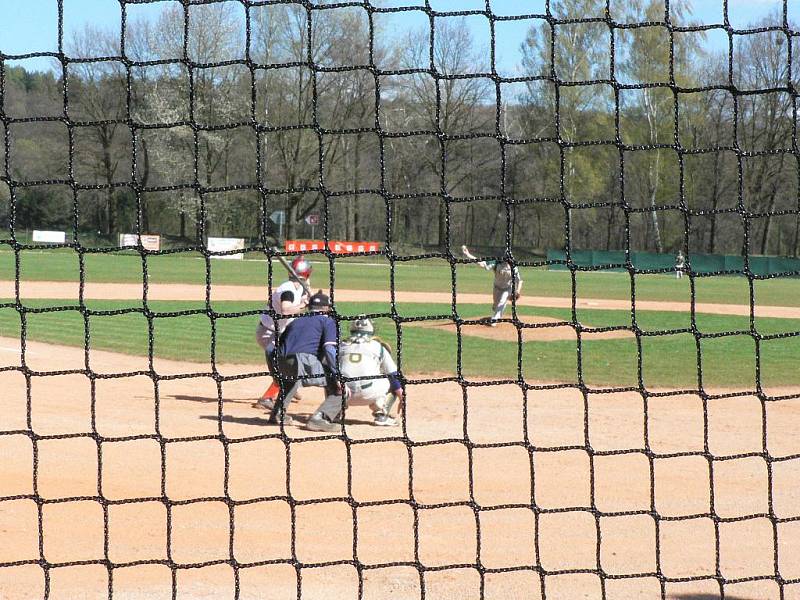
(384, 405)
(390, 400)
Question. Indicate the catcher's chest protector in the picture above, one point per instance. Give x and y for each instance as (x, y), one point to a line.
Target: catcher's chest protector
(361, 358)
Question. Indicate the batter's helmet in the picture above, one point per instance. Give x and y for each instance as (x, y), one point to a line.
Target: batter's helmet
(362, 326)
(302, 267)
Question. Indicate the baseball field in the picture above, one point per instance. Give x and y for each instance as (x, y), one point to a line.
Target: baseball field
(720, 337)
(143, 466)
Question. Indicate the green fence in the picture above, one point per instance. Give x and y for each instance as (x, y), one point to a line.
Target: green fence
(651, 261)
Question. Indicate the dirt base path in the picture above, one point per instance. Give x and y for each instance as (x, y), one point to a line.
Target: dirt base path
(126, 291)
(507, 332)
(493, 448)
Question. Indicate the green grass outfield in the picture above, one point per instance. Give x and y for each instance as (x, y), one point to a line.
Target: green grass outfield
(667, 360)
(430, 275)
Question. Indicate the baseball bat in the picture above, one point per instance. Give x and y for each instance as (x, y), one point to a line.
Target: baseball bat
(289, 268)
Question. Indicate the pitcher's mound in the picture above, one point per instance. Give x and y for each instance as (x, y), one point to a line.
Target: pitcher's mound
(550, 330)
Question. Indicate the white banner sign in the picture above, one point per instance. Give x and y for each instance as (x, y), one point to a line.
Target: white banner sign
(50, 237)
(216, 244)
(131, 240)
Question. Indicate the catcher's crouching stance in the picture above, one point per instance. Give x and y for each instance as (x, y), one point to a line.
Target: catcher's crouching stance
(363, 360)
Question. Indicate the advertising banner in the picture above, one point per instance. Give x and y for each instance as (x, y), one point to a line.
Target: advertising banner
(50, 237)
(218, 244)
(149, 242)
(337, 247)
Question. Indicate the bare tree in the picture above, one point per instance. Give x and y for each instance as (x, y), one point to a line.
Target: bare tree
(710, 180)
(647, 53)
(97, 93)
(214, 36)
(448, 104)
(765, 120)
(570, 53)
(292, 99)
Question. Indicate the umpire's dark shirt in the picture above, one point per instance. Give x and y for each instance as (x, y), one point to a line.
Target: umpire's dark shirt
(309, 335)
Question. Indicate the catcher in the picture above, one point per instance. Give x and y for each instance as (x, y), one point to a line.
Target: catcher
(507, 283)
(288, 299)
(364, 358)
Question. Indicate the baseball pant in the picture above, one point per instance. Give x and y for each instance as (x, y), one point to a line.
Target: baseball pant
(367, 391)
(303, 370)
(500, 297)
(266, 338)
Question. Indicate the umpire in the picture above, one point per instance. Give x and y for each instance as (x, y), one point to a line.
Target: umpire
(307, 356)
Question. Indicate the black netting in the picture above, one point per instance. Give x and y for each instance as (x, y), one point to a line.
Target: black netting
(560, 523)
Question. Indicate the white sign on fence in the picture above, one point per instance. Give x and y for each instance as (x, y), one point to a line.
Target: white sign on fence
(216, 244)
(50, 237)
(131, 240)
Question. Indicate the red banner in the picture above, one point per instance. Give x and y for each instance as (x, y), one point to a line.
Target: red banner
(337, 247)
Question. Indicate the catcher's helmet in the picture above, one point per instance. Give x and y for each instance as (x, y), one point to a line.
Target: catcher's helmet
(362, 326)
(302, 267)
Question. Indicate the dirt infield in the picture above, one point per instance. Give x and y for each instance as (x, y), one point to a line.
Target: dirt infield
(124, 291)
(486, 447)
(507, 332)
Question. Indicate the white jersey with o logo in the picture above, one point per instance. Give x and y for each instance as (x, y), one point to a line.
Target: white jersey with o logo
(364, 357)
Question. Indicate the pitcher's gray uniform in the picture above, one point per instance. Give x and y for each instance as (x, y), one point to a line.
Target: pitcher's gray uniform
(507, 283)
(363, 359)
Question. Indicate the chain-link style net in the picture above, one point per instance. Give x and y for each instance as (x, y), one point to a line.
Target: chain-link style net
(623, 507)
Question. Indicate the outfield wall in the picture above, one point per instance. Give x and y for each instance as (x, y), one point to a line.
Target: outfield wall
(651, 261)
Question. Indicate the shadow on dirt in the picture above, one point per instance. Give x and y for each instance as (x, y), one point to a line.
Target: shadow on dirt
(238, 420)
(208, 399)
(705, 597)
(301, 418)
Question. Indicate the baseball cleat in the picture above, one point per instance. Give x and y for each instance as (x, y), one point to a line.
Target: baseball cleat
(320, 423)
(265, 403)
(287, 421)
(385, 421)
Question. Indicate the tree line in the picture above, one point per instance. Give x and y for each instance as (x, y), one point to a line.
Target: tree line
(460, 157)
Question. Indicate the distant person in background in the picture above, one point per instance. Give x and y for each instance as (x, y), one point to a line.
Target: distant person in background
(680, 265)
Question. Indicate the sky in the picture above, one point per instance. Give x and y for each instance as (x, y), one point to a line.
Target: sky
(28, 26)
